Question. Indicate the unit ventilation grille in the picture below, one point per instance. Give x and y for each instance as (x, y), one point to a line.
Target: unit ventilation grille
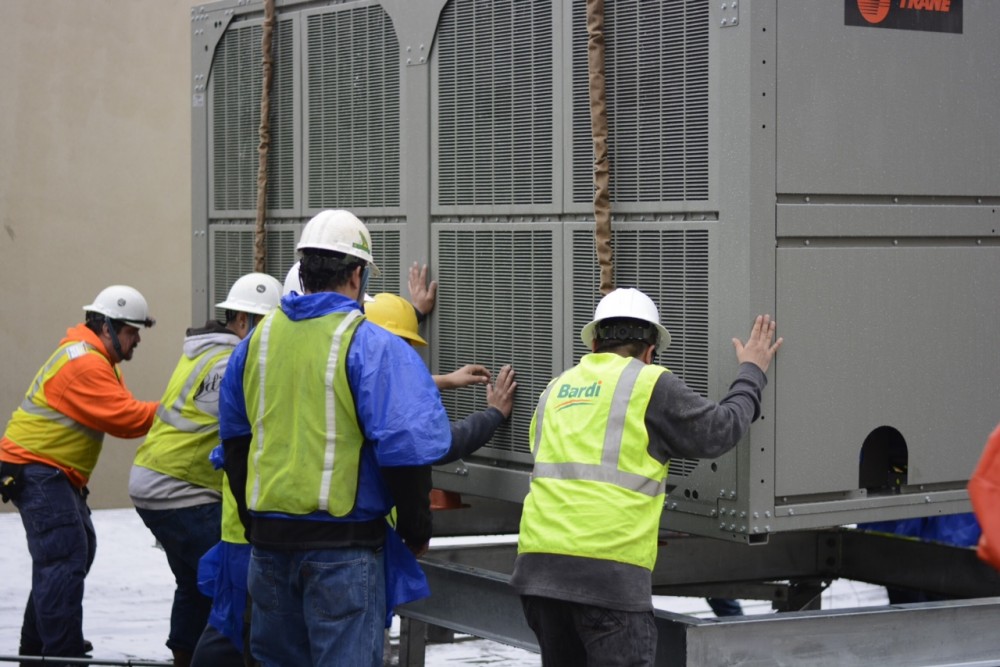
(353, 109)
(231, 245)
(671, 266)
(495, 308)
(656, 66)
(386, 253)
(495, 103)
(235, 97)
(232, 253)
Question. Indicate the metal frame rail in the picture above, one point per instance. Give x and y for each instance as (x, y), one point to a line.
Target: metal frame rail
(471, 595)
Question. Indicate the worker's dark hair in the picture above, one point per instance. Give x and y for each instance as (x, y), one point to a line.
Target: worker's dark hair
(325, 271)
(624, 334)
(95, 322)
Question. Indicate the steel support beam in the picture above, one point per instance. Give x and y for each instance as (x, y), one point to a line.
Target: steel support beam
(472, 595)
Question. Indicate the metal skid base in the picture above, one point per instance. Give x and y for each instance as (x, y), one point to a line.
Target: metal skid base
(471, 595)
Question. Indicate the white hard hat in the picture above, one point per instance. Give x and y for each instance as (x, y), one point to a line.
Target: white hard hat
(292, 283)
(628, 303)
(340, 231)
(123, 303)
(256, 293)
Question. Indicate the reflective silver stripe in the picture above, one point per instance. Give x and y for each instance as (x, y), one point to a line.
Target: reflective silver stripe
(599, 473)
(265, 335)
(37, 385)
(172, 415)
(45, 412)
(329, 455)
(616, 415)
(607, 471)
(60, 419)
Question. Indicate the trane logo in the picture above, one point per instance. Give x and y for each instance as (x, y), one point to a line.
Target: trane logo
(921, 15)
(875, 11)
(584, 391)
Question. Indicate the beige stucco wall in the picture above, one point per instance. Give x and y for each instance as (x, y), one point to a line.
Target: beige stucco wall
(95, 176)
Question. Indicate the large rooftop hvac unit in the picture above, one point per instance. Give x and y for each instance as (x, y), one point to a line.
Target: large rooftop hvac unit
(804, 158)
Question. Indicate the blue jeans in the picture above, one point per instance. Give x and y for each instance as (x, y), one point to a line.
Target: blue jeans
(62, 545)
(571, 634)
(186, 534)
(318, 607)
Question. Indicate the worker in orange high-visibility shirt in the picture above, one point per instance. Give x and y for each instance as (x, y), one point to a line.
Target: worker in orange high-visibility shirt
(49, 450)
(984, 492)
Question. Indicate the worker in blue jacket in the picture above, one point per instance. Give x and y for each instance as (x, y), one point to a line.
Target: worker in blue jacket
(327, 421)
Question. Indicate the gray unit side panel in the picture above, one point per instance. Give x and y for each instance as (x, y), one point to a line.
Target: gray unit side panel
(876, 111)
(872, 342)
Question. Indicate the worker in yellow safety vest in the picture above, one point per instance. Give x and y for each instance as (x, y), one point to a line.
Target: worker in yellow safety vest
(174, 487)
(50, 449)
(602, 435)
(327, 421)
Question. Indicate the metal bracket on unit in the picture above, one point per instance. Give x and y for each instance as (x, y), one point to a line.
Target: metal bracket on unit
(730, 14)
(416, 24)
(207, 29)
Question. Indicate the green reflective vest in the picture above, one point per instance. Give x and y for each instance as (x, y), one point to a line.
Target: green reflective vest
(595, 490)
(306, 446)
(182, 435)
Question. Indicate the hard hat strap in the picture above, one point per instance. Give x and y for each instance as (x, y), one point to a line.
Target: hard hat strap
(365, 275)
(114, 338)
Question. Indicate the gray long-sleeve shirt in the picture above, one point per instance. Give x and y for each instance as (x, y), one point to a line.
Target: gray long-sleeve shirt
(680, 423)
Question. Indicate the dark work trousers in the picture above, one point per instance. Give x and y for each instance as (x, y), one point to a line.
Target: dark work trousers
(725, 607)
(215, 650)
(62, 545)
(571, 634)
(186, 533)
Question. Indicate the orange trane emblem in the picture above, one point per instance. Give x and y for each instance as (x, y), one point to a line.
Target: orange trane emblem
(874, 11)
(921, 15)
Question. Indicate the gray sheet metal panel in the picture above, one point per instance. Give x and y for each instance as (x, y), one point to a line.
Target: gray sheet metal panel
(878, 111)
(874, 345)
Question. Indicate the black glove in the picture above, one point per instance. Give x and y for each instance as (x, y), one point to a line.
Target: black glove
(11, 481)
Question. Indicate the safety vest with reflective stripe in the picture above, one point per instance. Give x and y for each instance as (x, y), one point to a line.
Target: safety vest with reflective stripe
(306, 446)
(595, 490)
(182, 435)
(49, 433)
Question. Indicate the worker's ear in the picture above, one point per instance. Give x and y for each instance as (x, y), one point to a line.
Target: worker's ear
(647, 356)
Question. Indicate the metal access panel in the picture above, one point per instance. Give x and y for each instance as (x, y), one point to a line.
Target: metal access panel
(831, 162)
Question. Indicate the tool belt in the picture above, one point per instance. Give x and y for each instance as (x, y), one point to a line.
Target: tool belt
(11, 481)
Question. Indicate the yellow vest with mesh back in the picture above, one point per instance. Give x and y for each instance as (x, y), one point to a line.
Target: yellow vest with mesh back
(306, 445)
(595, 490)
(182, 435)
(41, 430)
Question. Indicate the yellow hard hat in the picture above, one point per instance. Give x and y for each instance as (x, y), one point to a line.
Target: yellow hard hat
(394, 314)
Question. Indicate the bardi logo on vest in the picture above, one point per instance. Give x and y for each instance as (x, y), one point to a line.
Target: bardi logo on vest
(578, 394)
